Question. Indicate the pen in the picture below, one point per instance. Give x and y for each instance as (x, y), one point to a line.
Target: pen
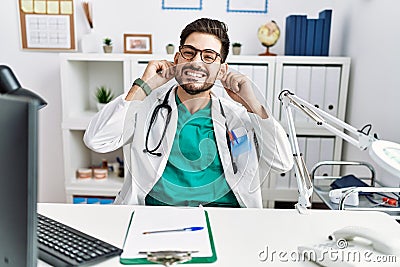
(235, 137)
(187, 229)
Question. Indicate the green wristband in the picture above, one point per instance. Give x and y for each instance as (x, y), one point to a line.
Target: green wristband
(142, 84)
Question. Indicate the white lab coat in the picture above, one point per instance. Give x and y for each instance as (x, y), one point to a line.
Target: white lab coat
(125, 123)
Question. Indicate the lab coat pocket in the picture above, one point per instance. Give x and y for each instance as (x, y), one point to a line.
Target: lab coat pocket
(240, 145)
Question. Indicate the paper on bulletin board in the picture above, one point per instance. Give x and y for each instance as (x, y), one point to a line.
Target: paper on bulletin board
(48, 31)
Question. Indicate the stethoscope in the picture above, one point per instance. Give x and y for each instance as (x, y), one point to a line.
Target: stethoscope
(165, 105)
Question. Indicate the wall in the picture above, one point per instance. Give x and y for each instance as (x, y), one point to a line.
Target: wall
(354, 30)
(372, 41)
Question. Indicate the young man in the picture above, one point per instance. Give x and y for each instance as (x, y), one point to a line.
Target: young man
(184, 145)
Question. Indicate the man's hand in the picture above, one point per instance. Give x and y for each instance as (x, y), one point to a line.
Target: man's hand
(158, 72)
(240, 89)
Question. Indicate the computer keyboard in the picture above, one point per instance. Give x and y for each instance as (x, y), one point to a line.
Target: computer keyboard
(61, 245)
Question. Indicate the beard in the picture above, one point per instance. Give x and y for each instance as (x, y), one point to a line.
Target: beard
(192, 89)
(192, 86)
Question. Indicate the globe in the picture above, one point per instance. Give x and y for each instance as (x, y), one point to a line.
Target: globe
(268, 34)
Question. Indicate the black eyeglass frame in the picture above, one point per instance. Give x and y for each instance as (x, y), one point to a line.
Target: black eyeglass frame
(201, 53)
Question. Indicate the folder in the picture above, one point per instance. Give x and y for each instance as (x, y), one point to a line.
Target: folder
(327, 150)
(289, 79)
(318, 36)
(317, 86)
(310, 37)
(327, 16)
(313, 152)
(303, 35)
(302, 141)
(290, 35)
(260, 77)
(332, 89)
(160, 221)
(303, 89)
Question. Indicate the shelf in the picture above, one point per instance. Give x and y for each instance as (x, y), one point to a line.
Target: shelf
(79, 121)
(314, 60)
(93, 57)
(107, 187)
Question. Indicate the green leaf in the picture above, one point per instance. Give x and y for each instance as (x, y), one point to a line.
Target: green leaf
(104, 94)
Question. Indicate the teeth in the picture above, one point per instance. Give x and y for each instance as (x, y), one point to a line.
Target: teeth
(193, 74)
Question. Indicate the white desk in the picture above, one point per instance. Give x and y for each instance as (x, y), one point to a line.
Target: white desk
(239, 234)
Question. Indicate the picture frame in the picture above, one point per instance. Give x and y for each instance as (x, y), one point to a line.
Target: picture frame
(182, 4)
(138, 43)
(243, 6)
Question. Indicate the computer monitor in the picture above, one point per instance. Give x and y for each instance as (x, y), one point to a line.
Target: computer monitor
(18, 181)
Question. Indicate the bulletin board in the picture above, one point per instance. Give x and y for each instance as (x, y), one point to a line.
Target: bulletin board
(47, 24)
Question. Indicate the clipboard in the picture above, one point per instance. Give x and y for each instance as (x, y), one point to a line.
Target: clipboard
(161, 218)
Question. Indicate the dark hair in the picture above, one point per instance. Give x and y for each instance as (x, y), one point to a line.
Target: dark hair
(210, 26)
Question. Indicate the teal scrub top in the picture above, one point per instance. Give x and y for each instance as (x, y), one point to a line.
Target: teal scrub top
(193, 174)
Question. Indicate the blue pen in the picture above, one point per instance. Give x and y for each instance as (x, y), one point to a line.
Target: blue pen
(187, 229)
(234, 137)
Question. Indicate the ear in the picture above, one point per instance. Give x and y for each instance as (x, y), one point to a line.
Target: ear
(222, 71)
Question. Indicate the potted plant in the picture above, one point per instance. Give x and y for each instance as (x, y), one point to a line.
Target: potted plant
(107, 45)
(170, 48)
(236, 47)
(103, 96)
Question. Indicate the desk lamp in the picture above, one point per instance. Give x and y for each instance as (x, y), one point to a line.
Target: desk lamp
(10, 85)
(385, 153)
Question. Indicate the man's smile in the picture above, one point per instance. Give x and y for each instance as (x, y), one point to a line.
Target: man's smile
(194, 74)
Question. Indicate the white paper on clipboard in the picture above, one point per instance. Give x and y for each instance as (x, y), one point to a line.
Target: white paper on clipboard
(167, 218)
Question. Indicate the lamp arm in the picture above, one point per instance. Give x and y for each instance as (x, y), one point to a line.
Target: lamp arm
(304, 183)
(327, 121)
(322, 119)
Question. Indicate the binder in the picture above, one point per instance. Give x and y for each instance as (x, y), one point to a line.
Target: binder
(246, 70)
(310, 37)
(289, 78)
(327, 147)
(332, 88)
(260, 77)
(318, 36)
(153, 219)
(327, 16)
(317, 86)
(313, 151)
(282, 180)
(302, 141)
(303, 89)
(290, 35)
(303, 35)
(300, 35)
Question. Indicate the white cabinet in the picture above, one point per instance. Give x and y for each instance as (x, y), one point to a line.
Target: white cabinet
(321, 80)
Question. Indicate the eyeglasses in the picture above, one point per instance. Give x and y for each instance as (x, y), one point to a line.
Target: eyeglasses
(189, 52)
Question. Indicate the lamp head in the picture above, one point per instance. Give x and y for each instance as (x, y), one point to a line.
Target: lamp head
(10, 85)
(387, 155)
